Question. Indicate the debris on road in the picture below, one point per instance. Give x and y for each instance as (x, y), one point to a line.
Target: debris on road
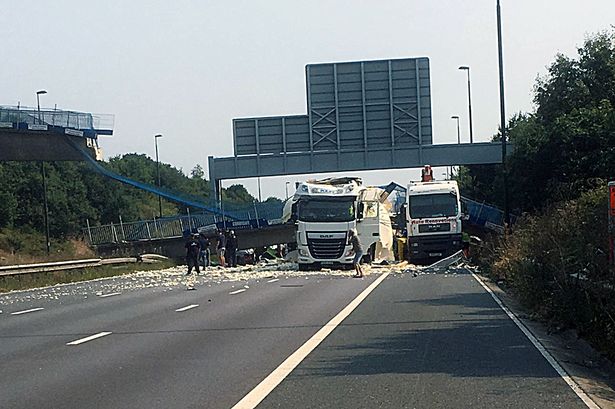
(172, 278)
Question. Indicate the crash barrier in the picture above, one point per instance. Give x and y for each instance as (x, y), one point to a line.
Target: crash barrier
(61, 265)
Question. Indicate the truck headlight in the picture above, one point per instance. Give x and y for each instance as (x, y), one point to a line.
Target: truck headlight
(303, 252)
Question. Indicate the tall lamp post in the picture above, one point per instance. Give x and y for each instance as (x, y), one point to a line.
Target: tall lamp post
(456, 117)
(502, 115)
(46, 208)
(44, 176)
(158, 174)
(467, 69)
(38, 103)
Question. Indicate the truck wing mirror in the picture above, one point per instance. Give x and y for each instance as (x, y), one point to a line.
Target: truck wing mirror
(293, 213)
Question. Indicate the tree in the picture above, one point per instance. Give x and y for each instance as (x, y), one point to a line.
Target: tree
(237, 194)
(197, 172)
(569, 141)
(76, 193)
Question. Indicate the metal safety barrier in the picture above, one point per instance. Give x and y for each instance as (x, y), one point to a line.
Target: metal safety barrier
(61, 265)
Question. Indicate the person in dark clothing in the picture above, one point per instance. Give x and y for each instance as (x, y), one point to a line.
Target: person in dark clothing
(353, 239)
(231, 249)
(204, 254)
(192, 254)
(221, 247)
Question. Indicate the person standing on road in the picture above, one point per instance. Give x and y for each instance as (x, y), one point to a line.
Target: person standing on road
(205, 254)
(353, 239)
(465, 244)
(231, 249)
(221, 247)
(192, 254)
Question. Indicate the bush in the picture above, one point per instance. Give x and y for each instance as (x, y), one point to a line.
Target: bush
(556, 263)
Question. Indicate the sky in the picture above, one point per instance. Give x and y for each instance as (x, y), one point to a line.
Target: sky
(185, 68)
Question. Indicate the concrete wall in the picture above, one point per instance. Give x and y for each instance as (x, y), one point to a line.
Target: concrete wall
(37, 146)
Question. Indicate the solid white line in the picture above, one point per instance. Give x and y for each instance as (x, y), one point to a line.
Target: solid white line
(189, 307)
(273, 280)
(109, 295)
(91, 337)
(26, 311)
(256, 395)
(237, 291)
(558, 368)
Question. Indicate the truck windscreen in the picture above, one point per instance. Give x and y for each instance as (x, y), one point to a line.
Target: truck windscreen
(438, 205)
(326, 210)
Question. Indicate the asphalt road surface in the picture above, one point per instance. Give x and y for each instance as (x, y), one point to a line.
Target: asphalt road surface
(432, 341)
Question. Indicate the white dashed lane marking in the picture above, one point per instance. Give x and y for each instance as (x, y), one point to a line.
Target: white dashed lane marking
(237, 291)
(273, 280)
(186, 308)
(90, 338)
(27, 311)
(109, 295)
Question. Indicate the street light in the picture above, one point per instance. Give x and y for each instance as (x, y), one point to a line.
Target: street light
(38, 103)
(46, 207)
(44, 176)
(502, 114)
(158, 174)
(458, 132)
(466, 68)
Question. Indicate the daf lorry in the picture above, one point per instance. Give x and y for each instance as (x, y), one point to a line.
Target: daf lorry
(325, 210)
(433, 215)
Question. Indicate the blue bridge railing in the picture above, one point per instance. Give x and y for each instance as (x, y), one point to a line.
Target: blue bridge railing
(101, 123)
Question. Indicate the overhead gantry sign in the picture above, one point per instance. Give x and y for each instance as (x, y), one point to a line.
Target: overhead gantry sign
(364, 115)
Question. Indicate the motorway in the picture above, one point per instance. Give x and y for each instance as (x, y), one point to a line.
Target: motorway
(430, 341)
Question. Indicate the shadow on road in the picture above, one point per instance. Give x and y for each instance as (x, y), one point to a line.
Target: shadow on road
(487, 348)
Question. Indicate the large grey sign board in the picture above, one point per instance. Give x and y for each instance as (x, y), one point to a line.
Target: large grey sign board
(364, 115)
(352, 106)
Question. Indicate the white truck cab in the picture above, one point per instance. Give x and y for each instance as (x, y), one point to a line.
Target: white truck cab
(433, 214)
(325, 210)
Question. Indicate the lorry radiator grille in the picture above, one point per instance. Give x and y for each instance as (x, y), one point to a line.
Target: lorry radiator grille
(326, 249)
